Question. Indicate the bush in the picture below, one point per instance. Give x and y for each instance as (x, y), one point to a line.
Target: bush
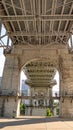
(22, 109)
(49, 112)
(57, 111)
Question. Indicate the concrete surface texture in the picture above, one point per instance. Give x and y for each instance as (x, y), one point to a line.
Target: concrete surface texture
(41, 33)
(36, 123)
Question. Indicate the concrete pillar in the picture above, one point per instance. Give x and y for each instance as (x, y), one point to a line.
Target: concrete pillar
(11, 85)
(18, 108)
(37, 102)
(66, 87)
(31, 102)
(67, 101)
(61, 92)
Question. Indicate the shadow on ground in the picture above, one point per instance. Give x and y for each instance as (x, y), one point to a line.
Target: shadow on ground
(25, 121)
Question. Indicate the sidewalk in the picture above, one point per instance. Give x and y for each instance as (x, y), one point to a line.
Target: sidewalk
(36, 123)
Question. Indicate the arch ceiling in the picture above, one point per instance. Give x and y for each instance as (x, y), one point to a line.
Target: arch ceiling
(40, 73)
(37, 22)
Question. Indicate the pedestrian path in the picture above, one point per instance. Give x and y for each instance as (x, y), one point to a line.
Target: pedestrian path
(36, 123)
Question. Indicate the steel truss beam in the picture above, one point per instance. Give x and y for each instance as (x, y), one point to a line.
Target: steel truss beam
(54, 33)
(32, 17)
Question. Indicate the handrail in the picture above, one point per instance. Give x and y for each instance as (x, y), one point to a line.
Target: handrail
(7, 92)
(13, 92)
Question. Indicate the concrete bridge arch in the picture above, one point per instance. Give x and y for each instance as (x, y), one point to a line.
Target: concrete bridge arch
(37, 29)
(17, 60)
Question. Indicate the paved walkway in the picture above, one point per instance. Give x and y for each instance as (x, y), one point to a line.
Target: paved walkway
(36, 123)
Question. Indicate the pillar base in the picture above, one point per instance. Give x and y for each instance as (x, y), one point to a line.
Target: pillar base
(67, 108)
(9, 107)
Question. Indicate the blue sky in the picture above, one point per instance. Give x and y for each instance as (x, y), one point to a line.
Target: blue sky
(2, 61)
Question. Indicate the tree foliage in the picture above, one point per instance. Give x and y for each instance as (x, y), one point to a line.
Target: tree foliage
(49, 112)
(22, 108)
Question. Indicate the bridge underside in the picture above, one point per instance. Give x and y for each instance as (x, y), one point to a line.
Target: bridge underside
(38, 40)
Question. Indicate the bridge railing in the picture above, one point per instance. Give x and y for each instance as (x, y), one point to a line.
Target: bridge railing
(13, 92)
(65, 93)
(7, 92)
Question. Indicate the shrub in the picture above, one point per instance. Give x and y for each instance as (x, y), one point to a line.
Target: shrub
(49, 112)
(57, 111)
(22, 109)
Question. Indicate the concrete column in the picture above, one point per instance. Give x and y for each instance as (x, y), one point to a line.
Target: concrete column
(11, 85)
(37, 102)
(18, 107)
(67, 101)
(31, 89)
(49, 94)
(61, 92)
(44, 103)
(66, 104)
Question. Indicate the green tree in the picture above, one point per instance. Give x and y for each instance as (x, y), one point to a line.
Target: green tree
(22, 108)
(49, 112)
(57, 111)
